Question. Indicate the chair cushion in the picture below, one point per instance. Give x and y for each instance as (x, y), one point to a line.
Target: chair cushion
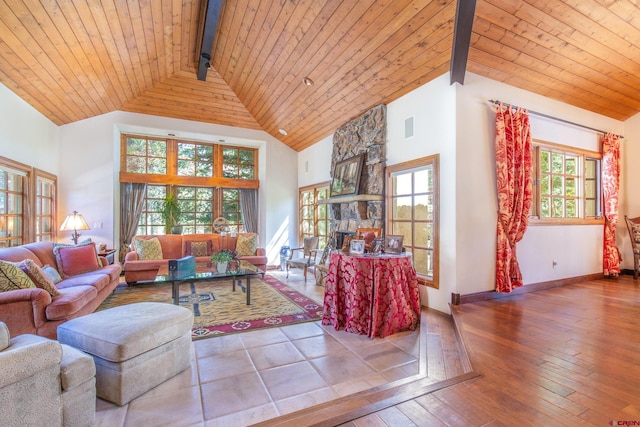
(70, 301)
(73, 260)
(12, 277)
(309, 244)
(148, 249)
(246, 245)
(636, 232)
(39, 278)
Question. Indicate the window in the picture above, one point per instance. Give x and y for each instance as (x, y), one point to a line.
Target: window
(231, 209)
(412, 212)
(566, 184)
(145, 155)
(151, 222)
(197, 209)
(12, 196)
(206, 179)
(238, 163)
(198, 205)
(195, 159)
(45, 206)
(314, 215)
(27, 204)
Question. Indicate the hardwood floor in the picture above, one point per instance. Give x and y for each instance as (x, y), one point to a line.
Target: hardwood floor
(563, 356)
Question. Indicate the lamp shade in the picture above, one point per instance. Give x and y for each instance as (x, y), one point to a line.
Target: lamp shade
(74, 221)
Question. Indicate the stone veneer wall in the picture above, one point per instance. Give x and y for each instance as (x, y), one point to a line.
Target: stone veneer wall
(364, 134)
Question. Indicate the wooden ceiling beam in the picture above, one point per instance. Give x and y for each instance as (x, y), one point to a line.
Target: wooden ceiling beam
(212, 17)
(465, 11)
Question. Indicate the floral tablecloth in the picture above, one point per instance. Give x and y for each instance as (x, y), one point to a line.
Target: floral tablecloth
(371, 295)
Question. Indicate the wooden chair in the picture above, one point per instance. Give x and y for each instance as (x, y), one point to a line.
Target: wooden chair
(633, 225)
(322, 267)
(306, 258)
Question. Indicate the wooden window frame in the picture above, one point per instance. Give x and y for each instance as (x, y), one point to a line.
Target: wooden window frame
(233, 225)
(172, 177)
(38, 175)
(315, 189)
(582, 155)
(432, 161)
(29, 213)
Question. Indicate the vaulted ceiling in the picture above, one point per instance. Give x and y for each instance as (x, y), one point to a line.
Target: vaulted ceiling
(72, 60)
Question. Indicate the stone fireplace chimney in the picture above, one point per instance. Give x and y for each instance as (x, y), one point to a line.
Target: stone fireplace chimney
(365, 134)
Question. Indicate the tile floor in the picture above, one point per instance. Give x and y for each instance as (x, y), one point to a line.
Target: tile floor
(241, 379)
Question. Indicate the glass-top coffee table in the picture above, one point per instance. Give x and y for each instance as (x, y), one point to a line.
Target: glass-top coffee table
(207, 272)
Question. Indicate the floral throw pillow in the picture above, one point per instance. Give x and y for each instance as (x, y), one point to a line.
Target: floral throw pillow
(148, 249)
(247, 245)
(12, 278)
(199, 248)
(39, 278)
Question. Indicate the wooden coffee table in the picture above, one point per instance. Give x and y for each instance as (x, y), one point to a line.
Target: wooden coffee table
(206, 272)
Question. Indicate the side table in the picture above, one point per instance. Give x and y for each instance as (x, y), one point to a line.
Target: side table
(109, 254)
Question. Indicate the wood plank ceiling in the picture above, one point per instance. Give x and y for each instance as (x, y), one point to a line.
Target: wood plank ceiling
(72, 60)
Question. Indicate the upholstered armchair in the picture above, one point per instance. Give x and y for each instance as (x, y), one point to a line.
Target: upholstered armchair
(633, 225)
(305, 256)
(43, 382)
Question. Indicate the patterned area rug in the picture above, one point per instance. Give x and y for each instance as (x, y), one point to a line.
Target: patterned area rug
(218, 310)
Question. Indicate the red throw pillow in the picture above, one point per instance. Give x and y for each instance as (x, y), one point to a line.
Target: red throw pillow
(73, 260)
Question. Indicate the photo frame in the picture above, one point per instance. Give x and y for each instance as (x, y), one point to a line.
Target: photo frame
(368, 235)
(377, 245)
(356, 247)
(346, 242)
(393, 243)
(361, 232)
(345, 179)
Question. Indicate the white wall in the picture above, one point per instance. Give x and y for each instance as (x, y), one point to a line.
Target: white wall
(433, 108)
(314, 164)
(577, 249)
(89, 180)
(26, 135)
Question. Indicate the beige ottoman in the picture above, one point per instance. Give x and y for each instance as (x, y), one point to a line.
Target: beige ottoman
(135, 347)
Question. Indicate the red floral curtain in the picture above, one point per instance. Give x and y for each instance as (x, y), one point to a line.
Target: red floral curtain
(514, 181)
(610, 188)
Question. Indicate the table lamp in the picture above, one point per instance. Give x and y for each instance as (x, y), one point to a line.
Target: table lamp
(74, 222)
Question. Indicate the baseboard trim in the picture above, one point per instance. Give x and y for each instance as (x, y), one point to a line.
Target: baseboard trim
(458, 299)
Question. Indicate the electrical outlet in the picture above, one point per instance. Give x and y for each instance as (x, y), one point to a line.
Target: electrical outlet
(555, 263)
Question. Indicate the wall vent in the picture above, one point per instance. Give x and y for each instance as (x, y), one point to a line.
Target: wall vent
(408, 128)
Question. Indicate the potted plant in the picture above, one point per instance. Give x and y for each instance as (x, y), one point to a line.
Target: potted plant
(222, 259)
(171, 213)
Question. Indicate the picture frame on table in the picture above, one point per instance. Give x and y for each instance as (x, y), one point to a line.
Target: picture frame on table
(346, 241)
(356, 247)
(393, 243)
(345, 179)
(377, 245)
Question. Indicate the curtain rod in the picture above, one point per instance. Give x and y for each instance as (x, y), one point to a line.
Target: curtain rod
(493, 101)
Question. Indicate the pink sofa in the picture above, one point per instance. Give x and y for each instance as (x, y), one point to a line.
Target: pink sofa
(174, 246)
(35, 311)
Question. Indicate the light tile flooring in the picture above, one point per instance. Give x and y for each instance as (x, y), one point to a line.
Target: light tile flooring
(241, 379)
